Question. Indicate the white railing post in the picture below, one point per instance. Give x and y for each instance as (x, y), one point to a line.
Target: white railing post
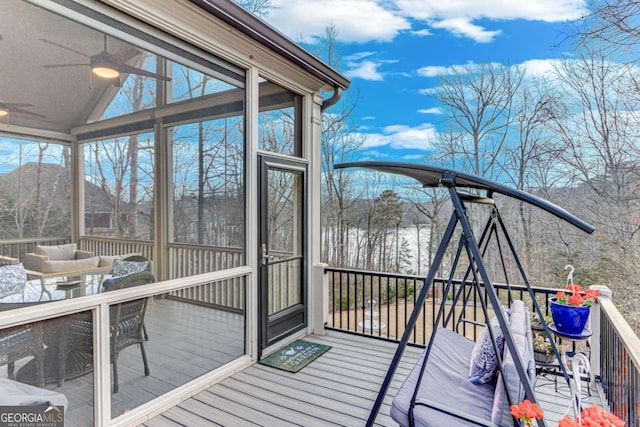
(320, 299)
(595, 316)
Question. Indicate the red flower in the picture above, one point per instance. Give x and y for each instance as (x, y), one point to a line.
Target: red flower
(568, 422)
(593, 416)
(574, 288)
(526, 412)
(592, 293)
(579, 297)
(576, 300)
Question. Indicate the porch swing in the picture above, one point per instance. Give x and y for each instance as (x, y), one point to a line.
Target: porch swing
(438, 392)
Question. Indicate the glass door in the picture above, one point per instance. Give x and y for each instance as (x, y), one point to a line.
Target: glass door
(281, 249)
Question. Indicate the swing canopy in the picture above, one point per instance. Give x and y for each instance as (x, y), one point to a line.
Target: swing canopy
(435, 176)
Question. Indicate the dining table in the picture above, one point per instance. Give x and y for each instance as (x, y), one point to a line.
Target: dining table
(65, 357)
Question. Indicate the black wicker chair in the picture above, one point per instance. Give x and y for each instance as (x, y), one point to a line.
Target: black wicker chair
(23, 341)
(140, 258)
(126, 322)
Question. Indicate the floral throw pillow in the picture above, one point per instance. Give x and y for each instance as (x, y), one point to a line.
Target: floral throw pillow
(484, 361)
(123, 268)
(13, 279)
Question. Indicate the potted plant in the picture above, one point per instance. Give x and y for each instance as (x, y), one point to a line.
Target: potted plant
(542, 349)
(536, 323)
(570, 312)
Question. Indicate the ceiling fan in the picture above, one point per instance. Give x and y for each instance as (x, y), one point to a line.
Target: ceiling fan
(13, 107)
(107, 65)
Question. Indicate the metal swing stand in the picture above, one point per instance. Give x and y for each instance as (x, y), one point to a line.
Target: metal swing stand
(431, 176)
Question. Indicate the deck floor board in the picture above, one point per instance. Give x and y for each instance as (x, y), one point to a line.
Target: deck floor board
(336, 389)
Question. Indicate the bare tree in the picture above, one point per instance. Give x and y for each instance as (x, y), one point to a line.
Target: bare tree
(526, 159)
(613, 25)
(339, 143)
(257, 7)
(478, 103)
(600, 129)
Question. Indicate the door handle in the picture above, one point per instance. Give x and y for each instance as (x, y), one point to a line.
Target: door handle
(265, 254)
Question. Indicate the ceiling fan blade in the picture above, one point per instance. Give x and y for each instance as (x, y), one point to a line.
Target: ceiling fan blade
(125, 55)
(14, 105)
(25, 112)
(64, 65)
(128, 69)
(64, 47)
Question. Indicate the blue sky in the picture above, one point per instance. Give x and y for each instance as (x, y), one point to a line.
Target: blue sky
(393, 49)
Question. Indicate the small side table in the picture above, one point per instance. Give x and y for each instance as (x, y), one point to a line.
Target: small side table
(567, 357)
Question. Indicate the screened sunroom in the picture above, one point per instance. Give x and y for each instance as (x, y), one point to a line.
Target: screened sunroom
(184, 134)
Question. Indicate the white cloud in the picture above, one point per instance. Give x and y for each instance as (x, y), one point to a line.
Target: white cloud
(422, 33)
(463, 27)
(540, 67)
(382, 20)
(450, 70)
(435, 71)
(538, 10)
(413, 157)
(358, 56)
(368, 118)
(432, 110)
(367, 70)
(374, 154)
(356, 20)
(401, 136)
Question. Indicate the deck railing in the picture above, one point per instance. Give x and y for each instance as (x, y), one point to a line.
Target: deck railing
(16, 248)
(352, 294)
(186, 260)
(116, 246)
(615, 345)
(619, 364)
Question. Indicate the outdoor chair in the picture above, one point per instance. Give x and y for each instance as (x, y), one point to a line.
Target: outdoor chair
(61, 259)
(126, 322)
(19, 342)
(134, 263)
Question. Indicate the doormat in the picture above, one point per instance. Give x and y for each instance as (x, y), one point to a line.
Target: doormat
(295, 356)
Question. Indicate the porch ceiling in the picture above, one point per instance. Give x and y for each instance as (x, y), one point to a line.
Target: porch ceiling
(66, 96)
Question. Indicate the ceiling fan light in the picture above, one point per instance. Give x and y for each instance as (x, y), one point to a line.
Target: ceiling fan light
(3, 112)
(105, 71)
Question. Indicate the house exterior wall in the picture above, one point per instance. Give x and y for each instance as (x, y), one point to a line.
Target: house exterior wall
(199, 33)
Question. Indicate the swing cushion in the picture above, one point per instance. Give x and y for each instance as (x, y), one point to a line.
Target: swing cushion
(445, 382)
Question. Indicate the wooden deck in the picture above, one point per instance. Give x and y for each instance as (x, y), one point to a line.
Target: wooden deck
(337, 389)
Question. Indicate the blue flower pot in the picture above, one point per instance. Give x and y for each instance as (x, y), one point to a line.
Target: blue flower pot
(569, 319)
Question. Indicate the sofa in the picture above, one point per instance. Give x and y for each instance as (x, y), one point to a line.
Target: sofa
(49, 261)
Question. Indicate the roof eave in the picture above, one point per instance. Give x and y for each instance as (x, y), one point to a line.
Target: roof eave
(255, 28)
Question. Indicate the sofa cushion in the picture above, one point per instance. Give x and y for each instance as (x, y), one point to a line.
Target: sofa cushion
(14, 393)
(13, 279)
(58, 253)
(107, 260)
(72, 265)
(122, 268)
(484, 361)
